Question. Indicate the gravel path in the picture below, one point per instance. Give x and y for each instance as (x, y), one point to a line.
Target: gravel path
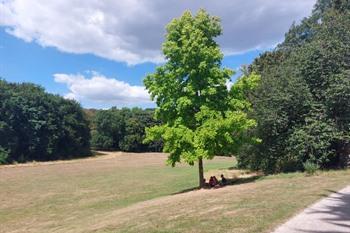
(330, 215)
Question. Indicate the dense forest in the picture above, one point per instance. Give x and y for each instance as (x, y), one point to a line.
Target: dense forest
(35, 125)
(122, 129)
(302, 105)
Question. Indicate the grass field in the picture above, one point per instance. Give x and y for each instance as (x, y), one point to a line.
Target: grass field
(124, 192)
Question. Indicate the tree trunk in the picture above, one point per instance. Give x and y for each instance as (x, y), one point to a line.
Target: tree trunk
(200, 171)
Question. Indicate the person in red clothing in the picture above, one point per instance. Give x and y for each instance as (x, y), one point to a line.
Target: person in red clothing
(216, 182)
(213, 181)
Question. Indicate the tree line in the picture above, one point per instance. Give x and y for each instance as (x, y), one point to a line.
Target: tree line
(35, 125)
(302, 104)
(38, 126)
(122, 129)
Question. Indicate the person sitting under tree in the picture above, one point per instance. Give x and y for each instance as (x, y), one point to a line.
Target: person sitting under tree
(223, 180)
(213, 181)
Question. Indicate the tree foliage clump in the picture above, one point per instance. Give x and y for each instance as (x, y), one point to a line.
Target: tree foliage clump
(123, 129)
(302, 105)
(35, 125)
(200, 117)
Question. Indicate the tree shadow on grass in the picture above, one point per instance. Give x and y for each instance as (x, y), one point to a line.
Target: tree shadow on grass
(97, 153)
(91, 154)
(230, 182)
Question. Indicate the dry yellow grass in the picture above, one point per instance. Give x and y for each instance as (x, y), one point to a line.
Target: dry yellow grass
(122, 192)
(258, 206)
(66, 196)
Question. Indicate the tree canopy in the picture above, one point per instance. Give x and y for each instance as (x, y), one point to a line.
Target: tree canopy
(122, 129)
(200, 117)
(35, 125)
(302, 103)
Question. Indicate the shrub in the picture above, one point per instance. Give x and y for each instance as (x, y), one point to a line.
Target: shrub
(3, 155)
(310, 167)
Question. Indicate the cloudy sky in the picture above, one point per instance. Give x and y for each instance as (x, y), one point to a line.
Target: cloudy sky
(99, 51)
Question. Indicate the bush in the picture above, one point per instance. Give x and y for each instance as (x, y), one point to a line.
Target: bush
(310, 167)
(3, 155)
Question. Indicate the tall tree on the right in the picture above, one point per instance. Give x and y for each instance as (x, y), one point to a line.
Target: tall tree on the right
(302, 104)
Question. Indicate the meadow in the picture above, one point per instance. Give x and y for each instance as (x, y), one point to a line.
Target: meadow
(129, 192)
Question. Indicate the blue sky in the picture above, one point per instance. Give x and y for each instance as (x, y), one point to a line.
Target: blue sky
(22, 61)
(99, 53)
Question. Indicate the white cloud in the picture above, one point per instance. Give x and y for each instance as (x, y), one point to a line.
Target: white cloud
(132, 30)
(102, 90)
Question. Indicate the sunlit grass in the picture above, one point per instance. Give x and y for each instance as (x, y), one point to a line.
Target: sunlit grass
(122, 194)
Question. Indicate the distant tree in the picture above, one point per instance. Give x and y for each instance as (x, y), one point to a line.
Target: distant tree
(109, 129)
(135, 131)
(90, 116)
(123, 129)
(200, 118)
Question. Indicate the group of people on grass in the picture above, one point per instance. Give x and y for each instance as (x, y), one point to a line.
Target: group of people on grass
(214, 183)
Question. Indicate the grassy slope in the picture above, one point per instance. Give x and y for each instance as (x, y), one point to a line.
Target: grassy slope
(110, 196)
(58, 196)
(254, 207)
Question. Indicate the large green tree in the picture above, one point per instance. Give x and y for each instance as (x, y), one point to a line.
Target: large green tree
(302, 103)
(201, 118)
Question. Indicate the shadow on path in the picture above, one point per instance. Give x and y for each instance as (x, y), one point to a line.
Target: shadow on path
(336, 212)
(330, 215)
